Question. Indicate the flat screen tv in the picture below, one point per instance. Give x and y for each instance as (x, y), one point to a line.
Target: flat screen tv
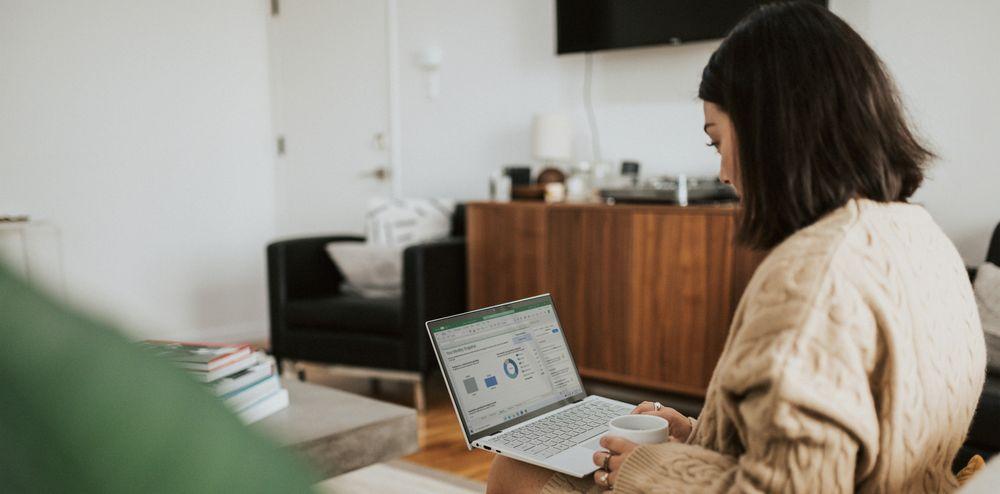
(594, 25)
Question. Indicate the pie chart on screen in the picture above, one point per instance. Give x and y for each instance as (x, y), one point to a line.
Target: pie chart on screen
(510, 368)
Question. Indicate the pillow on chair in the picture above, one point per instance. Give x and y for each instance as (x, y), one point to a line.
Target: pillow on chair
(404, 222)
(375, 268)
(373, 271)
(987, 290)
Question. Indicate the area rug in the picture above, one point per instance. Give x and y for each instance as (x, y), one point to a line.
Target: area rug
(400, 477)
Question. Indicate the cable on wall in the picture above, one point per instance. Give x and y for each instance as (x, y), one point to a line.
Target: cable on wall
(588, 75)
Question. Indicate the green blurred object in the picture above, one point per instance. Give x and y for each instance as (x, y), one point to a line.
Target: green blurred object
(84, 410)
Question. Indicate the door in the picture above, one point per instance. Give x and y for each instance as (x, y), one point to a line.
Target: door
(330, 107)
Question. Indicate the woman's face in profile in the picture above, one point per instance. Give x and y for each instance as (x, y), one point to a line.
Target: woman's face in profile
(721, 136)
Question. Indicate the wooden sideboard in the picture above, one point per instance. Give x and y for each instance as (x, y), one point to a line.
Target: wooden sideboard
(645, 292)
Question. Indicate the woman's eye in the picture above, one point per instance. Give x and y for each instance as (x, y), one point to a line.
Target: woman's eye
(713, 144)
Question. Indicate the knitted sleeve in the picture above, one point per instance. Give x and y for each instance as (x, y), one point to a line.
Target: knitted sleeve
(794, 383)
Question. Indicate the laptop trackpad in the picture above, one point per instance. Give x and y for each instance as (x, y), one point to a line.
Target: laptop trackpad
(593, 443)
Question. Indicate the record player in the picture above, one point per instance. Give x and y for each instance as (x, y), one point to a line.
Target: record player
(670, 189)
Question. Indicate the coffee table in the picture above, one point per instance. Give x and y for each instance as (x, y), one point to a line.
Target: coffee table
(338, 431)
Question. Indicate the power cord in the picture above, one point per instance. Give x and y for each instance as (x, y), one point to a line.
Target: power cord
(588, 75)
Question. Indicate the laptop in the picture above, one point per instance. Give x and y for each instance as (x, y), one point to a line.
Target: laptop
(515, 388)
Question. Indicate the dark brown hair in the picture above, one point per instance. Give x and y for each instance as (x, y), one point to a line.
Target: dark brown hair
(817, 119)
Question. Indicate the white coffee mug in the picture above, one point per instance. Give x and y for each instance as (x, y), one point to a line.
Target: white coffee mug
(640, 429)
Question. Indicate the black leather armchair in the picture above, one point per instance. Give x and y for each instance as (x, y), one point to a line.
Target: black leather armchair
(313, 320)
(984, 433)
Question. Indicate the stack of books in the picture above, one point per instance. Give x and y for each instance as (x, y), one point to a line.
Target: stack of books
(244, 380)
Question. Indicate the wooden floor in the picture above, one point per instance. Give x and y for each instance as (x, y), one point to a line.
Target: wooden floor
(441, 444)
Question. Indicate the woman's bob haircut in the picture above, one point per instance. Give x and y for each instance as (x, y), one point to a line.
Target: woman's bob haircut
(817, 119)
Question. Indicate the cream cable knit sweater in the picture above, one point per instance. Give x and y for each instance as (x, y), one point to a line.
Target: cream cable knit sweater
(854, 363)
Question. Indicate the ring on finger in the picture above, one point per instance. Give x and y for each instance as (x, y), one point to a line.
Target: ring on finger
(604, 478)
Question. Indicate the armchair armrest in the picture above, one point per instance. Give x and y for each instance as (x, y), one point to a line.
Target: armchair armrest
(299, 268)
(434, 285)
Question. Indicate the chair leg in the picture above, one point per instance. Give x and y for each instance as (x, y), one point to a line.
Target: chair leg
(300, 372)
(419, 399)
(375, 386)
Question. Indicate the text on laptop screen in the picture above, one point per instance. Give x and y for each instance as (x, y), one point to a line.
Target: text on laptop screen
(507, 364)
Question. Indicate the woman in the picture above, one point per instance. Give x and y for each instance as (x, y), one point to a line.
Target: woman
(855, 358)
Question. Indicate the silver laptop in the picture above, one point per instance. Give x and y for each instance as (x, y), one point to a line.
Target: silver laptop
(516, 389)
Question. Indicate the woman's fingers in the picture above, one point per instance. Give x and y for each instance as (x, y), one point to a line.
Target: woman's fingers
(609, 462)
(617, 445)
(602, 478)
(613, 460)
(613, 476)
(680, 426)
(666, 412)
(615, 463)
(646, 406)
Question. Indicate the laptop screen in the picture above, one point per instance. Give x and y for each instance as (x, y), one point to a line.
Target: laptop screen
(505, 363)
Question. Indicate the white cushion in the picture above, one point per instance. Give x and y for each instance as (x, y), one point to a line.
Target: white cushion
(375, 268)
(403, 222)
(987, 290)
(371, 270)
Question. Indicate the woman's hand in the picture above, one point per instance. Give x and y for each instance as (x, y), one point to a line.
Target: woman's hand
(611, 460)
(680, 426)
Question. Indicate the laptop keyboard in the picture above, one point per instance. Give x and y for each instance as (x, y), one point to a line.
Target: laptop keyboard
(557, 432)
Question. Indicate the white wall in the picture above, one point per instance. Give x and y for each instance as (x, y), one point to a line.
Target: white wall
(141, 129)
(500, 68)
(945, 60)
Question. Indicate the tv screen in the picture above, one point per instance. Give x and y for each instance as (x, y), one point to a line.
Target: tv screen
(593, 25)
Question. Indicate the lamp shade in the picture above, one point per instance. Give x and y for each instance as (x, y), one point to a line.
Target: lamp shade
(552, 137)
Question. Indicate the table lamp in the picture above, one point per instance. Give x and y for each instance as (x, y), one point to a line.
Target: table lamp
(552, 138)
